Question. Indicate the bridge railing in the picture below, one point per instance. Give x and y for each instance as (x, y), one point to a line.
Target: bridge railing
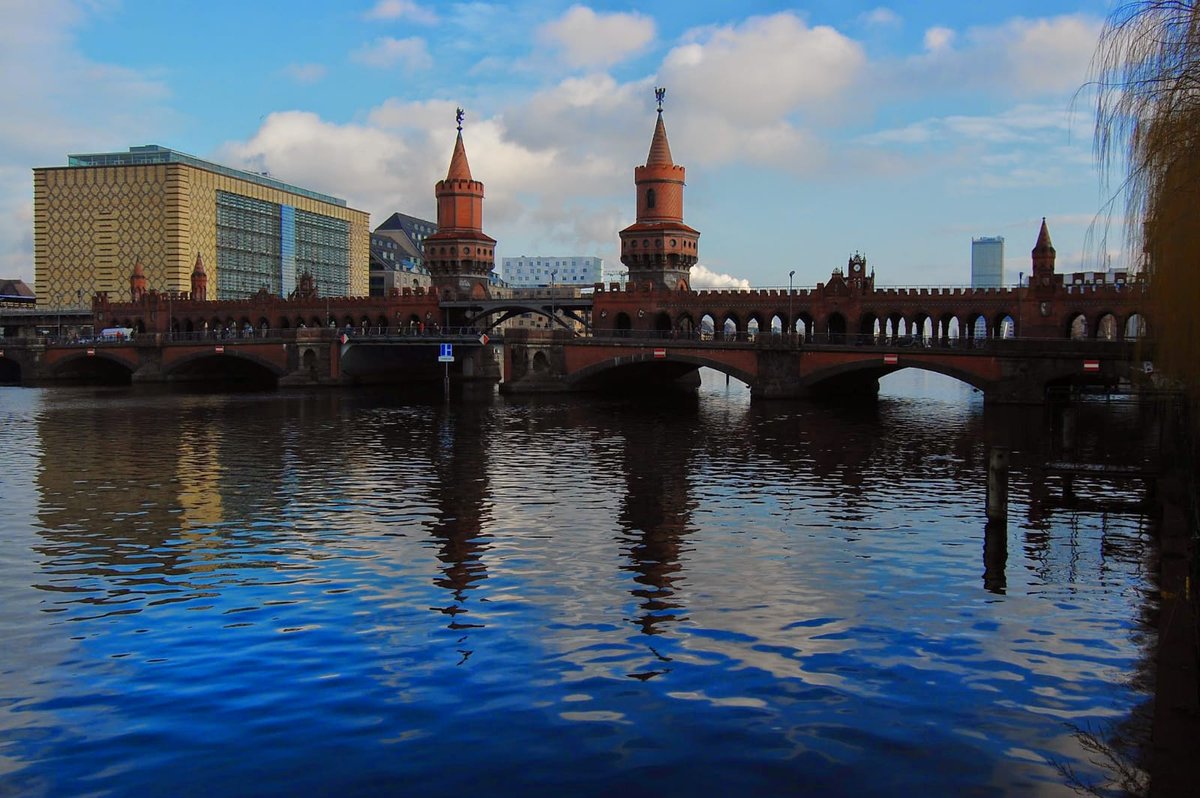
(775, 338)
(432, 333)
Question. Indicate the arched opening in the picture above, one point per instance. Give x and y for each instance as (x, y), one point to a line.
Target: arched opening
(382, 323)
(922, 329)
(541, 364)
(225, 371)
(868, 327)
(708, 327)
(1005, 326)
(836, 327)
(953, 329)
(1135, 327)
(662, 325)
(804, 326)
(622, 325)
(685, 326)
(1107, 328)
(92, 371)
(978, 327)
(1077, 328)
(776, 325)
(729, 329)
(10, 371)
(752, 329)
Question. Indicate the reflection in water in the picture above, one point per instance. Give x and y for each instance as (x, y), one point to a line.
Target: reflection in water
(460, 497)
(232, 595)
(655, 515)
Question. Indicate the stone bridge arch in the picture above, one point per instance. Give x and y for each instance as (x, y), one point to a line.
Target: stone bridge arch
(100, 366)
(231, 363)
(675, 363)
(873, 368)
(10, 370)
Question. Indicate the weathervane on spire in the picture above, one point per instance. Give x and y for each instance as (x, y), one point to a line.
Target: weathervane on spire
(659, 93)
(458, 116)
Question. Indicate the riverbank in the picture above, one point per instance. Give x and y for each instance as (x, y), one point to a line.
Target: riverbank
(1174, 766)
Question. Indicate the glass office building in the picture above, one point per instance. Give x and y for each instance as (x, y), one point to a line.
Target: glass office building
(96, 217)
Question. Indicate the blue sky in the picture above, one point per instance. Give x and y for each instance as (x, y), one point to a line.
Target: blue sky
(809, 131)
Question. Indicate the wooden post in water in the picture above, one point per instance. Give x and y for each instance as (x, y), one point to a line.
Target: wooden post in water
(995, 535)
(997, 485)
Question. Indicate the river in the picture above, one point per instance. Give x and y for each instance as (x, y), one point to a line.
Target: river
(369, 593)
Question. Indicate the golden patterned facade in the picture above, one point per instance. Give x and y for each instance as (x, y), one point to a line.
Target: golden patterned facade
(93, 223)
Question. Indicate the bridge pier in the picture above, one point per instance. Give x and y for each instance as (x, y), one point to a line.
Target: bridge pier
(778, 375)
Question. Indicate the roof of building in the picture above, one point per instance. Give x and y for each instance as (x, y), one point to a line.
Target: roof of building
(1043, 240)
(154, 154)
(660, 149)
(459, 168)
(10, 289)
(405, 244)
(402, 221)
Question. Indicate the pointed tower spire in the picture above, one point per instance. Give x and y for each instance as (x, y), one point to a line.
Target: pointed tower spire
(659, 249)
(660, 149)
(459, 168)
(1043, 258)
(199, 280)
(1043, 240)
(460, 257)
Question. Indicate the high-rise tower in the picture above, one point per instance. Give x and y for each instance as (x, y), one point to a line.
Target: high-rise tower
(459, 255)
(658, 248)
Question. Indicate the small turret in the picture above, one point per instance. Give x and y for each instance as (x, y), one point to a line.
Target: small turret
(199, 281)
(1043, 258)
(137, 282)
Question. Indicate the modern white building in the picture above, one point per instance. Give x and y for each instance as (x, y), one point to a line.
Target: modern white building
(987, 262)
(532, 271)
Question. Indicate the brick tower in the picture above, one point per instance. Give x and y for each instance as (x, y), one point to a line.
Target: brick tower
(199, 281)
(459, 255)
(1043, 258)
(659, 249)
(137, 282)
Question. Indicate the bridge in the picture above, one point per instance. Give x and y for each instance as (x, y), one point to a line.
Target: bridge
(1012, 343)
(1005, 370)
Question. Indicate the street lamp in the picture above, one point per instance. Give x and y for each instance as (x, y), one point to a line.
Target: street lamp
(791, 321)
(553, 300)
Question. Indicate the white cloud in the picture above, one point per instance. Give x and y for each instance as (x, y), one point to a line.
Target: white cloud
(938, 38)
(588, 39)
(741, 88)
(762, 69)
(58, 102)
(704, 279)
(397, 9)
(1020, 58)
(306, 74)
(881, 17)
(1023, 124)
(386, 52)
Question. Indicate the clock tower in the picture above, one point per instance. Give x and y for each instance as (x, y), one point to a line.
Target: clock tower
(659, 249)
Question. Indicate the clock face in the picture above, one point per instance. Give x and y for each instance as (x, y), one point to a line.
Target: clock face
(856, 268)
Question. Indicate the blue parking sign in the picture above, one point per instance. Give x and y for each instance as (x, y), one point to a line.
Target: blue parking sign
(447, 353)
